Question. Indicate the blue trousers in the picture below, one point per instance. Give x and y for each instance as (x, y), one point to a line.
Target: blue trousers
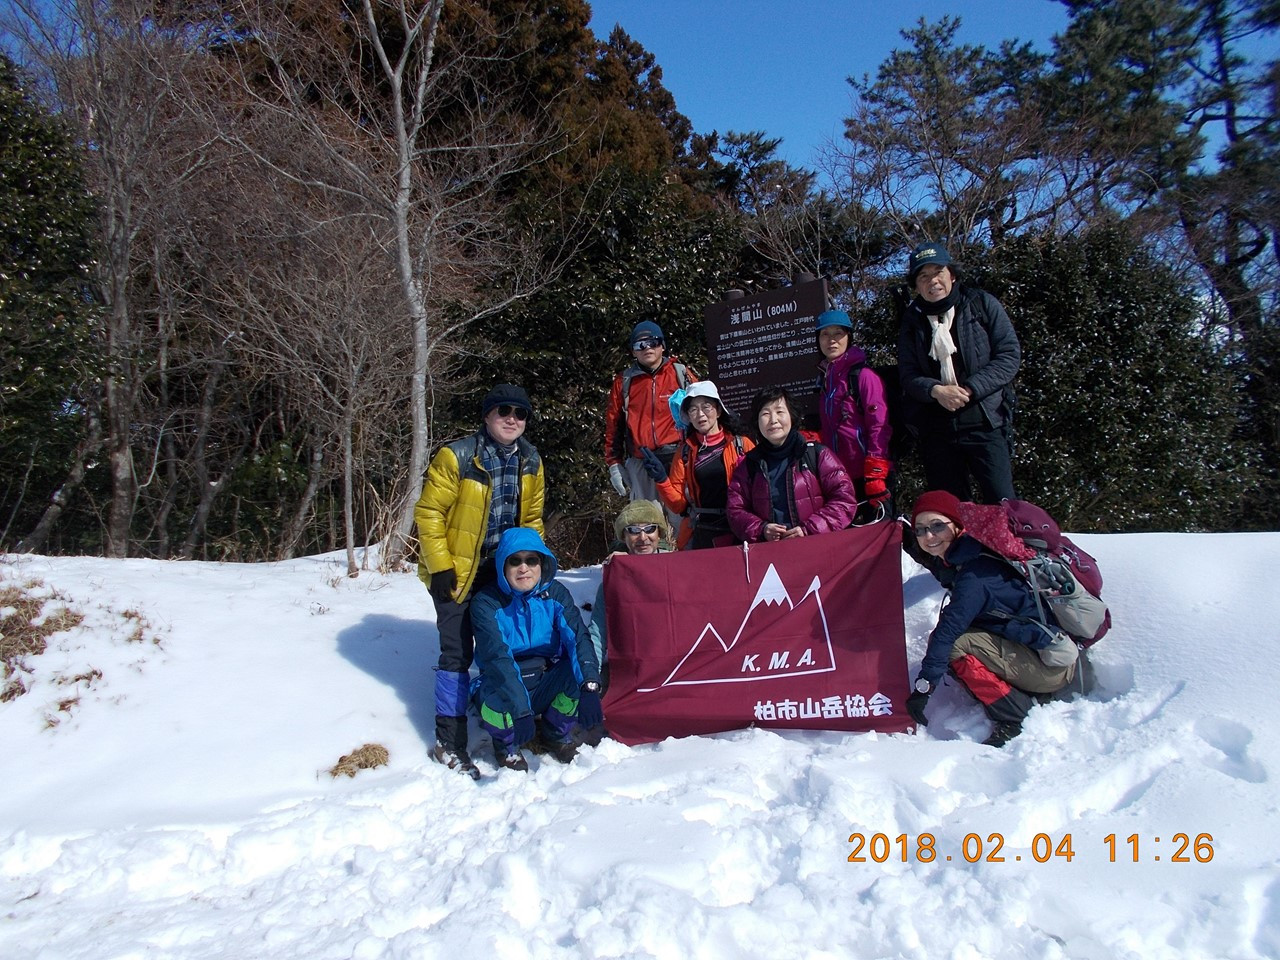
(553, 694)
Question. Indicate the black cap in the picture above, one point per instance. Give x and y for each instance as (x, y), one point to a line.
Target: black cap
(924, 255)
(507, 393)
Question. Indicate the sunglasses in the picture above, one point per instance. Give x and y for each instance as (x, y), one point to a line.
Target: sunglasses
(507, 410)
(525, 560)
(647, 344)
(937, 529)
(638, 528)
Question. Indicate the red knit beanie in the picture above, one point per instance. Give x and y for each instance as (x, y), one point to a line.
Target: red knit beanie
(938, 501)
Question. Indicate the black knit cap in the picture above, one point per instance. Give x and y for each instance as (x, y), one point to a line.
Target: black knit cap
(507, 393)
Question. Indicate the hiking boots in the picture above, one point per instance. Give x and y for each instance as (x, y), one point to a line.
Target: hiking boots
(563, 752)
(455, 759)
(1002, 733)
(510, 761)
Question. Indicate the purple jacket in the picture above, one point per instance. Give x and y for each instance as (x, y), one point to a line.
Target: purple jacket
(818, 504)
(853, 430)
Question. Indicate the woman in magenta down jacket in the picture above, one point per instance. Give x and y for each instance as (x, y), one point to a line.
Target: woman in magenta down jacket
(854, 415)
(787, 486)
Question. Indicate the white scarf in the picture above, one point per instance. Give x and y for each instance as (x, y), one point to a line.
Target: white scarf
(943, 346)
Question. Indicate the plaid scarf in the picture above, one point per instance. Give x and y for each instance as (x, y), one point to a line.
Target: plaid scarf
(503, 466)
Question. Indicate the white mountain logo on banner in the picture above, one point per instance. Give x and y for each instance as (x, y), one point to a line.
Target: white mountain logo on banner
(775, 639)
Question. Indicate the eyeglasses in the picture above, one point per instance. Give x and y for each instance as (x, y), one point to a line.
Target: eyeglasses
(524, 560)
(646, 344)
(636, 529)
(936, 529)
(507, 410)
(706, 406)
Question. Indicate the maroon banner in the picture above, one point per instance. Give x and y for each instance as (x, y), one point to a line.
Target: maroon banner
(802, 634)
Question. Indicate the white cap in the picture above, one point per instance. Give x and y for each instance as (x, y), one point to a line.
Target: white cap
(703, 388)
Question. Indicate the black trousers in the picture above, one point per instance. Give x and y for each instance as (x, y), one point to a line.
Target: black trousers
(954, 458)
(457, 650)
(453, 620)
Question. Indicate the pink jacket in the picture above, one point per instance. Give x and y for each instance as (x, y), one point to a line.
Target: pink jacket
(818, 503)
(854, 427)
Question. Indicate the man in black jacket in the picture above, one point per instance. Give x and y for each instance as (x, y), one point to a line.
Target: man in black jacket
(957, 357)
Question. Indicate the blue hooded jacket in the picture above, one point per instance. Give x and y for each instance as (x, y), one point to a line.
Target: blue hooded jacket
(983, 584)
(543, 622)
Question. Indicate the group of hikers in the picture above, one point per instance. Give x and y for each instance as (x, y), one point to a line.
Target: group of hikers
(690, 468)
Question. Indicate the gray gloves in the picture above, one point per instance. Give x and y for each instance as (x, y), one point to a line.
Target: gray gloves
(615, 477)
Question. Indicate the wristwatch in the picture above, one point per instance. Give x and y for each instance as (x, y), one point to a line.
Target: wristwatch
(923, 686)
(591, 686)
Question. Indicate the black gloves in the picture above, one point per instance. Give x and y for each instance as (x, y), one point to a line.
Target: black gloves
(442, 585)
(524, 729)
(653, 465)
(915, 706)
(590, 712)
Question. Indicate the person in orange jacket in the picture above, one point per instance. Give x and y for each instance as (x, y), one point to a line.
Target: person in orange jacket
(697, 484)
(639, 413)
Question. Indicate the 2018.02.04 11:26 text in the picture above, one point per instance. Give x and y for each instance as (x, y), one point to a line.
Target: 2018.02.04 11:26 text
(975, 848)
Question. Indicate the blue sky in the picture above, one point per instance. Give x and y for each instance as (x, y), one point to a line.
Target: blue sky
(781, 68)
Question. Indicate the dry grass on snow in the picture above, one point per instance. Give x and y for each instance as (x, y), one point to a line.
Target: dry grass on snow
(25, 628)
(364, 758)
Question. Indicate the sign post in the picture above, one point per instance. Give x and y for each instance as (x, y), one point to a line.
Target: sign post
(766, 340)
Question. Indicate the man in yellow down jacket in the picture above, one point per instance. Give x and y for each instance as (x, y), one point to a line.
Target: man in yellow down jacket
(476, 488)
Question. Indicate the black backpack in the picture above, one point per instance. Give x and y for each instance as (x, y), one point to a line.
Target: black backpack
(902, 440)
(808, 460)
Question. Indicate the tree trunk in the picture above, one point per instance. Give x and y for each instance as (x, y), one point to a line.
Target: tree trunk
(348, 518)
(407, 127)
(297, 525)
(91, 444)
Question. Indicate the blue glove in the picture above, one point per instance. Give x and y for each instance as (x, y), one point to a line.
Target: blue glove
(590, 712)
(524, 729)
(653, 465)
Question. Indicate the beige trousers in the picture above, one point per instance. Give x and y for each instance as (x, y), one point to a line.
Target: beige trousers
(1016, 664)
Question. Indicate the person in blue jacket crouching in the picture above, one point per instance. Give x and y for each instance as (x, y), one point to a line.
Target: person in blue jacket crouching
(534, 653)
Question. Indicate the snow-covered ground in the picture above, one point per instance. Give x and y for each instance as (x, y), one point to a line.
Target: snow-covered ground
(166, 791)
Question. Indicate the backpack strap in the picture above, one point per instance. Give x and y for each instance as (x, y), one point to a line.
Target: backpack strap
(682, 374)
(1041, 619)
(854, 390)
(628, 375)
(682, 377)
(809, 459)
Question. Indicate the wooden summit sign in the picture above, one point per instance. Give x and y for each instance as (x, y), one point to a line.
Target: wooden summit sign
(765, 340)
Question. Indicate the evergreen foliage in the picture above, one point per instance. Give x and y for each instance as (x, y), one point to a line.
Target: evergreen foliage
(648, 256)
(1126, 415)
(1125, 412)
(46, 313)
(251, 413)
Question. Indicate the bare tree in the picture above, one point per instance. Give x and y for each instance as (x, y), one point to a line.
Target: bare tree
(318, 319)
(425, 146)
(113, 73)
(263, 178)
